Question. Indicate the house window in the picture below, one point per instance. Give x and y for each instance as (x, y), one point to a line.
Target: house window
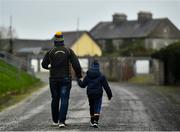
(109, 48)
(165, 30)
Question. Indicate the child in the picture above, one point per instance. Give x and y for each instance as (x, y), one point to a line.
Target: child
(94, 81)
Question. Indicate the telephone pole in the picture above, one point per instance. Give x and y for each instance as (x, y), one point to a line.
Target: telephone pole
(10, 36)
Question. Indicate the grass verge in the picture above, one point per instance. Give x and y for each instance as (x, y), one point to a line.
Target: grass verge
(146, 79)
(15, 84)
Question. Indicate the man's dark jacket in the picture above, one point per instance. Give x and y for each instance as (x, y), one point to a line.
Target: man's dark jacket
(95, 83)
(60, 59)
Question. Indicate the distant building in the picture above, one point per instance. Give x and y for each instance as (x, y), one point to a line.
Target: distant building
(32, 51)
(82, 43)
(156, 33)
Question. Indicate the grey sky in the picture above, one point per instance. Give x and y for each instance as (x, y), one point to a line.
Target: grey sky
(39, 19)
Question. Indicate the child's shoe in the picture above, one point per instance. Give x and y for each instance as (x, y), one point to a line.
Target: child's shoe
(95, 125)
(96, 118)
(62, 125)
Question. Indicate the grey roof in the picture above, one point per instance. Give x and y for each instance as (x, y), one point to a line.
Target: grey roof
(71, 37)
(34, 50)
(130, 29)
(30, 43)
(19, 44)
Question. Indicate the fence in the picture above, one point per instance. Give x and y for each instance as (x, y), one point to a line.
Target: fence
(15, 61)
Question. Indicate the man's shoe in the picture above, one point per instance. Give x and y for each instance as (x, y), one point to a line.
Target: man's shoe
(92, 120)
(55, 124)
(92, 123)
(61, 125)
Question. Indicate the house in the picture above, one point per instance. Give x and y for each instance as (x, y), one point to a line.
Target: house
(25, 45)
(82, 43)
(155, 33)
(32, 51)
(29, 51)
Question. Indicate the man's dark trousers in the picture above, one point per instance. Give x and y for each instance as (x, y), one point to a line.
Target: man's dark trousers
(60, 91)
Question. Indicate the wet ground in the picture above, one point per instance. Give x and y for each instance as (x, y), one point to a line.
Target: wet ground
(131, 108)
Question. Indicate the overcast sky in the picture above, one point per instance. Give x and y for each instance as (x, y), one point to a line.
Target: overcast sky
(39, 19)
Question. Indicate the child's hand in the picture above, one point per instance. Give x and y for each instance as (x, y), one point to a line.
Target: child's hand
(109, 98)
(79, 81)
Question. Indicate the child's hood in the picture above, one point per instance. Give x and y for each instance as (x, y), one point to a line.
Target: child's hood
(93, 74)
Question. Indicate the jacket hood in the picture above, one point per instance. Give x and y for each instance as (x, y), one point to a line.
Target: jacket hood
(93, 73)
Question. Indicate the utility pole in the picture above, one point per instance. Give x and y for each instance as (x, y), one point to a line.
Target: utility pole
(10, 36)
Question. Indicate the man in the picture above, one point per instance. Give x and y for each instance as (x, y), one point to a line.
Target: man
(58, 61)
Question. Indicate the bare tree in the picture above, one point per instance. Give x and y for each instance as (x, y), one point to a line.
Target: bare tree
(5, 33)
(6, 38)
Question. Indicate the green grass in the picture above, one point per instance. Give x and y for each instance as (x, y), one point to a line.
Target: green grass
(15, 84)
(13, 80)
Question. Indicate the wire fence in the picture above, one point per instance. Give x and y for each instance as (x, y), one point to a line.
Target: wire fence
(15, 61)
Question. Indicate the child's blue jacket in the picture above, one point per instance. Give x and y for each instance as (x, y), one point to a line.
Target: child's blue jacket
(95, 82)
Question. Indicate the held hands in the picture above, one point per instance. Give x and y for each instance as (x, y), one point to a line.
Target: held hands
(109, 97)
(79, 81)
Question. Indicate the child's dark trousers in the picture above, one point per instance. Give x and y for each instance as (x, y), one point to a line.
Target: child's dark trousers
(95, 106)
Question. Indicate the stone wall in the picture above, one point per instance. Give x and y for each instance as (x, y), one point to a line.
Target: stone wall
(123, 68)
(117, 68)
(158, 71)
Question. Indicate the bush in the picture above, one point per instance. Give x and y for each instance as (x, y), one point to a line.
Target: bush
(170, 55)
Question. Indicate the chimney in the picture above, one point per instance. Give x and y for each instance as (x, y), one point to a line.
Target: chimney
(144, 16)
(119, 18)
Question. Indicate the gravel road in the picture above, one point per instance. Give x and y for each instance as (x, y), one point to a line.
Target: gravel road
(131, 108)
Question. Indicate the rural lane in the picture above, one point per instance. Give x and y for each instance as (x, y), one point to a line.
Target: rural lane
(131, 108)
